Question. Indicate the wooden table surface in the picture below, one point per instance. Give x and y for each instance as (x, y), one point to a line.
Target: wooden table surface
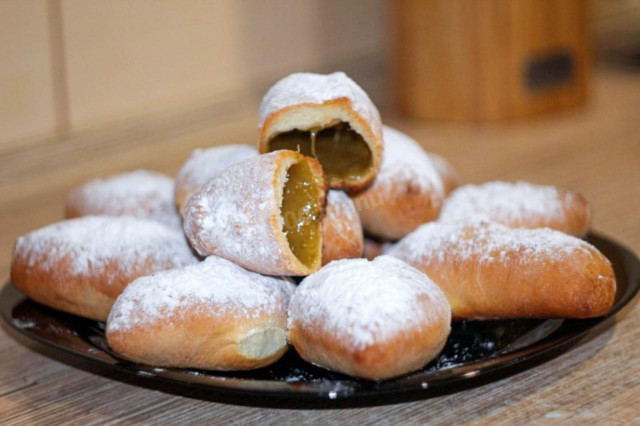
(594, 150)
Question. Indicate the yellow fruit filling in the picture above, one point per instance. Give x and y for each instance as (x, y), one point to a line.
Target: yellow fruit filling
(341, 151)
(301, 213)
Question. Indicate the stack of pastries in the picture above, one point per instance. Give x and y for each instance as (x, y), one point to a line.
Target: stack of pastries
(196, 271)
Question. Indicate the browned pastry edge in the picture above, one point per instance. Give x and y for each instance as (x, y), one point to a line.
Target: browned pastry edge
(195, 337)
(406, 352)
(370, 132)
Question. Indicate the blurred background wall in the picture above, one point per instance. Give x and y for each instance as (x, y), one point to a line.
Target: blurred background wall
(74, 65)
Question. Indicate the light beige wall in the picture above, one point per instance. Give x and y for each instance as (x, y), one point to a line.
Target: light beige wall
(117, 60)
(26, 86)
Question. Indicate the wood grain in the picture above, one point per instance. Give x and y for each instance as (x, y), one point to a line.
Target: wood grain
(468, 59)
(595, 151)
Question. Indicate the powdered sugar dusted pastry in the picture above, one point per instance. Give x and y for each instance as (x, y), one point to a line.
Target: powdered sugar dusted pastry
(490, 271)
(375, 320)
(448, 174)
(205, 164)
(264, 214)
(141, 193)
(407, 191)
(341, 228)
(519, 205)
(328, 117)
(212, 315)
(81, 265)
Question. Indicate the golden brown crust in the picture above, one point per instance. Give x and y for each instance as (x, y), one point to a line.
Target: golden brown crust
(374, 320)
(212, 315)
(448, 174)
(45, 265)
(327, 113)
(406, 193)
(519, 205)
(392, 211)
(195, 339)
(237, 215)
(341, 229)
(490, 271)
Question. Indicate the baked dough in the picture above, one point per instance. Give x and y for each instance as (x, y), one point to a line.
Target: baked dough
(141, 193)
(448, 174)
(341, 229)
(406, 193)
(490, 271)
(328, 117)
(205, 164)
(373, 320)
(81, 265)
(264, 214)
(212, 315)
(519, 205)
(374, 248)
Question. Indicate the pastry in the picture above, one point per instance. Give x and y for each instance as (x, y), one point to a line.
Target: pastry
(374, 248)
(264, 214)
(328, 117)
(81, 265)
(141, 193)
(488, 270)
(370, 319)
(519, 205)
(205, 164)
(213, 315)
(341, 228)
(448, 174)
(406, 193)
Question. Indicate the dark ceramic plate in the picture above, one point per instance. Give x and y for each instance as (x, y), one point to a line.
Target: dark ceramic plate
(477, 352)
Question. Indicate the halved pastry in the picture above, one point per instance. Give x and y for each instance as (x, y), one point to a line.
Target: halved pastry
(328, 117)
(488, 270)
(213, 315)
(81, 265)
(341, 229)
(140, 193)
(519, 205)
(264, 214)
(406, 193)
(372, 319)
(205, 164)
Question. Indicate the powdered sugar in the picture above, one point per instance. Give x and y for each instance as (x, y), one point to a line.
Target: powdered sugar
(484, 241)
(512, 204)
(232, 216)
(205, 164)
(365, 302)
(341, 213)
(222, 286)
(404, 160)
(94, 242)
(140, 193)
(300, 88)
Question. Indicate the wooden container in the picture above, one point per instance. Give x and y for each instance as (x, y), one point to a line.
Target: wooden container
(483, 60)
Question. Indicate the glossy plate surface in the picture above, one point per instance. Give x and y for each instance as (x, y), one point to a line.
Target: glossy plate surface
(476, 353)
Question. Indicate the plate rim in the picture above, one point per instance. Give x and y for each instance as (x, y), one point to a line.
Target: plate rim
(439, 383)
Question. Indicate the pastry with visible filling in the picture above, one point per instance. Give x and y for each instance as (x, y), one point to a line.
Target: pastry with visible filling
(265, 214)
(371, 319)
(488, 270)
(205, 164)
(214, 315)
(406, 193)
(81, 265)
(519, 205)
(341, 229)
(141, 193)
(328, 117)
